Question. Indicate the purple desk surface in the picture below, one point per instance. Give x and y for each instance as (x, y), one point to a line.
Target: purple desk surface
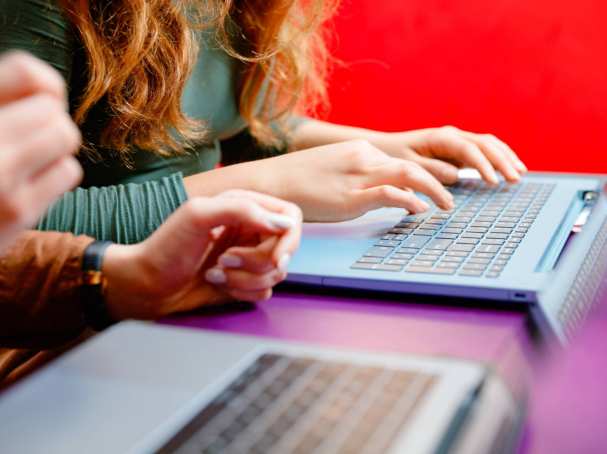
(498, 337)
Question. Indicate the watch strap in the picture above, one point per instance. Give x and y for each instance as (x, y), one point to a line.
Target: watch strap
(95, 310)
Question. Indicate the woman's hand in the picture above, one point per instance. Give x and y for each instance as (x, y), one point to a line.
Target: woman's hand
(442, 151)
(37, 140)
(211, 250)
(333, 182)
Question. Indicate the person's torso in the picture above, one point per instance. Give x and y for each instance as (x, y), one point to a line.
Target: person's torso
(209, 96)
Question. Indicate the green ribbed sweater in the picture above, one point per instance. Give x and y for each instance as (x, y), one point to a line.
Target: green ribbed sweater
(116, 202)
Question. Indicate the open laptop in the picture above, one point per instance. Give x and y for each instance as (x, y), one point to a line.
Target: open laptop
(530, 243)
(140, 388)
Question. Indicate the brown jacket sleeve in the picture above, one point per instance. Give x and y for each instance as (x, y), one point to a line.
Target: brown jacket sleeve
(39, 280)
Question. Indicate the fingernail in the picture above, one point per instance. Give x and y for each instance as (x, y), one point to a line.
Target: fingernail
(421, 207)
(216, 276)
(230, 261)
(280, 221)
(283, 263)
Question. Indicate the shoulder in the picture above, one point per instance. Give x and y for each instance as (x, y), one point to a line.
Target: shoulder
(39, 27)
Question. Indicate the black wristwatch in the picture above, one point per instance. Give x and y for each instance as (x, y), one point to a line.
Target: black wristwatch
(96, 314)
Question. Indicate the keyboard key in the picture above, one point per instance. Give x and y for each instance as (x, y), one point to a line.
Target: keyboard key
(474, 266)
(433, 221)
(505, 225)
(484, 255)
(416, 269)
(468, 241)
(422, 264)
(407, 225)
(464, 219)
(399, 256)
(471, 273)
(384, 267)
(369, 260)
(481, 224)
(472, 235)
(447, 265)
(408, 250)
(457, 225)
(363, 266)
(457, 253)
(461, 247)
(478, 260)
(425, 232)
(376, 267)
(415, 241)
(493, 241)
(440, 216)
(388, 243)
(446, 236)
(440, 244)
(427, 258)
(400, 231)
(492, 274)
(378, 251)
(448, 258)
(396, 262)
(507, 250)
(490, 213)
(478, 229)
(496, 236)
(436, 252)
(488, 248)
(452, 230)
(500, 230)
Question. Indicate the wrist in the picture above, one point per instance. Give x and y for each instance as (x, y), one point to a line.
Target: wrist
(125, 281)
(216, 181)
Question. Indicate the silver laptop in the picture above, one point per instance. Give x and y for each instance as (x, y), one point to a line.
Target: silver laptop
(530, 243)
(140, 388)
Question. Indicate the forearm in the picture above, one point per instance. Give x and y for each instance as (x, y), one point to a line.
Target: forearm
(313, 133)
(247, 176)
(39, 280)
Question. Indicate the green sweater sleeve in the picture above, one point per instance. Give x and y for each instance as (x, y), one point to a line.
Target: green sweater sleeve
(124, 214)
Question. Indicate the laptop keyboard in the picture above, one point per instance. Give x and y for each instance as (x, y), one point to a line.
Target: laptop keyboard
(284, 404)
(477, 238)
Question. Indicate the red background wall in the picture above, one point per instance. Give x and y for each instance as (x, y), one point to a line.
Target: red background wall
(533, 72)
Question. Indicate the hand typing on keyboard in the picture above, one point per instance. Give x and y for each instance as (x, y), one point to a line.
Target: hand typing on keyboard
(442, 151)
(477, 238)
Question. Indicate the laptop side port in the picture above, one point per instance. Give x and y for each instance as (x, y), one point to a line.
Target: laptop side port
(521, 296)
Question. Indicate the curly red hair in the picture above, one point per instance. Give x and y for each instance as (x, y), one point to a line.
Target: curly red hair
(141, 54)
